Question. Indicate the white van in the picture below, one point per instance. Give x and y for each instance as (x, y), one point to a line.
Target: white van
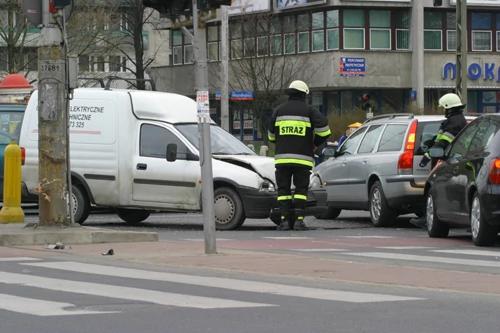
(118, 159)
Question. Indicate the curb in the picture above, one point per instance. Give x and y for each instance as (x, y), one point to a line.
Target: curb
(30, 234)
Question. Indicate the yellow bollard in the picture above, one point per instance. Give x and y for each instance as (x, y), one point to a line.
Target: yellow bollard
(11, 211)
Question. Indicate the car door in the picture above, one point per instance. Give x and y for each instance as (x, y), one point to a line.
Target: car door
(336, 173)
(359, 165)
(447, 180)
(159, 182)
(470, 166)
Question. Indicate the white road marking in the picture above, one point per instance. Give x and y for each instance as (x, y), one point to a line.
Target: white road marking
(225, 283)
(285, 237)
(42, 308)
(318, 250)
(135, 294)
(410, 257)
(366, 237)
(203, 239)
(19, 259)
(404, 247)
(471, 252)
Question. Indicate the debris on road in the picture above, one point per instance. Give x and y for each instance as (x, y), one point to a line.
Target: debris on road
(56, 246)
(109, 253)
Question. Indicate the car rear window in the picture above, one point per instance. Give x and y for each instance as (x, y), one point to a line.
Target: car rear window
(426, 135)
(392, 138)
(10, 121)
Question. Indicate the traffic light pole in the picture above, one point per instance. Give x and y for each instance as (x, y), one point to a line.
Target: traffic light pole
(461, 62)
(52, 123)
(201, 87)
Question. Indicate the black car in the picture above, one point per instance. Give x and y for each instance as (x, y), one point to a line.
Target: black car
(463, 190)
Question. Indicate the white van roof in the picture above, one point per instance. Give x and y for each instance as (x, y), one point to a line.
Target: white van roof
(151, 105)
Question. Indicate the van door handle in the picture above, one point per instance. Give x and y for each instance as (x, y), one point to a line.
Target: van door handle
(344, 162)
(365, 160)
(142, 166)
(455, 171)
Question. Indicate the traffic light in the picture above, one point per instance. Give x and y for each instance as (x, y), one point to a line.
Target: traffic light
(366, 102)
(438, 3)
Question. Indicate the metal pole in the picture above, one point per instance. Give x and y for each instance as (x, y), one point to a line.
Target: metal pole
(201, 87)
(52, 121)
(461, 66)
(224, 101)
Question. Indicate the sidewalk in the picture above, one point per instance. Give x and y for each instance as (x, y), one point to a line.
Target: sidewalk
(235, 258)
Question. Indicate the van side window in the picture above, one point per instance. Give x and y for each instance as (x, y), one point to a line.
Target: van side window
(154, 140)
(392, 138)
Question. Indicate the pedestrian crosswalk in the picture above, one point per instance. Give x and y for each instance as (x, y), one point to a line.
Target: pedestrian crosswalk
(69, 281)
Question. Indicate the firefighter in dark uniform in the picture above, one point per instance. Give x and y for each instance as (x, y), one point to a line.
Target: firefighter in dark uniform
(450, 127)
(296, 128)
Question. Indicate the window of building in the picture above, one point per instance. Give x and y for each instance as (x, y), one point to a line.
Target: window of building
(332, 30)
(177, 47)
(497, 31)
(262, 38)
(451, 32)
(114, 63)
(354, 29)
(402, 18)
(213, 43)
(235, 35)
(289, 34)
(318, 31)
(276, 36)
(380, 29)
(481, 31)
(433, 31)
(303, 32)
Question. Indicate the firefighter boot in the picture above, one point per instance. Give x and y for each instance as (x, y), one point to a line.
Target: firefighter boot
(300, 225)
(284, 224)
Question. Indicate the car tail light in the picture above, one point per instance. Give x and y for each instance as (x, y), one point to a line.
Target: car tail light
(405, 163)
(495, 171)
(23, 155)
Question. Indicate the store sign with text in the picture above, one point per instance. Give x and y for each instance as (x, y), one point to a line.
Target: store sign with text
(475, 71)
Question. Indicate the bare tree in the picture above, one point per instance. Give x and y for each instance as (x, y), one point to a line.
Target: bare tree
(263, 61)
(14, 38)
(131, 41)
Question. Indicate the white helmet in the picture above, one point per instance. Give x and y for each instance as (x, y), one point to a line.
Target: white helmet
(450, 101)
(297, 85)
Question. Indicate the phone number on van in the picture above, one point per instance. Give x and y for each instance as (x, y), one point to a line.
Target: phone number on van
(77, 124)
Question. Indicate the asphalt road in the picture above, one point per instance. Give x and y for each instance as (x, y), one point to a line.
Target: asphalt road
(47, 296)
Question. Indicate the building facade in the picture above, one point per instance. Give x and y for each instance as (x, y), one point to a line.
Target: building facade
(100, 34)
(400, 52)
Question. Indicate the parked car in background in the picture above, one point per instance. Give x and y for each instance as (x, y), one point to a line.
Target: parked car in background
(463, 190)
(377, 168)
(11, 117)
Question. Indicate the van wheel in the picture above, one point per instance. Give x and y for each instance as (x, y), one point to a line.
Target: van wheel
(132, 215)
(483, 233)
(228, 209)
(435, 228)
(381, 214)
(81, 204)
(331, 214)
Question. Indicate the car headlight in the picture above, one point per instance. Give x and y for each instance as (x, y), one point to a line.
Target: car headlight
(315, 182)
(267, 186)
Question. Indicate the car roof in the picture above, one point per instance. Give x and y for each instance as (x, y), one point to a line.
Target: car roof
(409, 117)
(12, 107)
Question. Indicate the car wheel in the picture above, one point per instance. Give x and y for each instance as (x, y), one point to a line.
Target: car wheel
(132, 215)
(81, 204)
(228, 209)
(381, 214)
(331, 214)
(435, 228)
(483, 233)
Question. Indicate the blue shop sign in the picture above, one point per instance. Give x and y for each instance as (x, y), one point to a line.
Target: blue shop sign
(475, 71)
(352, 67)
(236, 95)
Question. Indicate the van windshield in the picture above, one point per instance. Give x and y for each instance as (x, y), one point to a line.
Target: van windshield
(223, 143)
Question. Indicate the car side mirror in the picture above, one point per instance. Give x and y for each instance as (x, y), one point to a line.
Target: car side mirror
(436, 152)
(171, 152)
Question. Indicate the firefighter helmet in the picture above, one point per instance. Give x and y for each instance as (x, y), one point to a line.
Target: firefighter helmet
(297, 85)
(450, 101)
